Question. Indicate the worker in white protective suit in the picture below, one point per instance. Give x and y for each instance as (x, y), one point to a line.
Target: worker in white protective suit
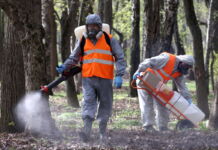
(166, 66)
(98, 51)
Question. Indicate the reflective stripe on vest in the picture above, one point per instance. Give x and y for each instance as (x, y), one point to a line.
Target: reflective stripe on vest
(98, 59)
(166, 73)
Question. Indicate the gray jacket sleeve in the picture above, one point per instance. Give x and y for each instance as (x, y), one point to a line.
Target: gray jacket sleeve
(120, 62)
(182, 88)
(74, 57)
(156, 62)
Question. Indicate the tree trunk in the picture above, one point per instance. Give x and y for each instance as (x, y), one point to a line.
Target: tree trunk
(25, 16)
(13, 80)
(135, 46)
(177, 39)
(213, 120)
(1, 41)
(170, 19)
(85, 9)
(101, 8)
(207, 3)
(151, 28)
(68, 23)
(201, 81)
(48, 21)
(212, 37)
(108, 13)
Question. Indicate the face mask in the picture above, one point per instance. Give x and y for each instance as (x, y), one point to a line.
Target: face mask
(92, 33)
(183, 68)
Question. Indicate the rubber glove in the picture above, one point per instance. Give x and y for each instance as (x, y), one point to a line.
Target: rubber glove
(136, 74)
(118, 82)
(60, 69)
(189, 100)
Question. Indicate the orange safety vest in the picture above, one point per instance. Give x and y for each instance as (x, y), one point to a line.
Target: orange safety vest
(98, 59)
(166, 73)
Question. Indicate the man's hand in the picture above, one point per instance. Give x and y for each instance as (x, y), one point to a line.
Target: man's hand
(60, 69)
(118, 82)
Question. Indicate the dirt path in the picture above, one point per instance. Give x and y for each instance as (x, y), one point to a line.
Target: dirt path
(118, 139)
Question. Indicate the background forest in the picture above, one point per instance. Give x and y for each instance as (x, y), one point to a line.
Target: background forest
(38, 35)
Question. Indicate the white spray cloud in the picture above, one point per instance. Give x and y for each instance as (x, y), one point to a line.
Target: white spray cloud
(33, 112)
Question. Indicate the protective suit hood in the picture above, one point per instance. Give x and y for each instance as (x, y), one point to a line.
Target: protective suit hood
(93, 19)
(188, 59)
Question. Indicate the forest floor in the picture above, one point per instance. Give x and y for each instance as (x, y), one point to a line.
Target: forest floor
(124, 130)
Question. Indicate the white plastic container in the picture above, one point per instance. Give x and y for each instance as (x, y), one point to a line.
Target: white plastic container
(194, 114)
(81, 29)
(190, 111)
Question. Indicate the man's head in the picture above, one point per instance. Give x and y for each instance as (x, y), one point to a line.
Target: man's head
(185, 63)
(93, 25)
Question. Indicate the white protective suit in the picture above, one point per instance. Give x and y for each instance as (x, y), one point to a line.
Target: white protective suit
(146, 102)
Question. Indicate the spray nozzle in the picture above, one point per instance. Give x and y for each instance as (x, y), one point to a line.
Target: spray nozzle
(46, 90)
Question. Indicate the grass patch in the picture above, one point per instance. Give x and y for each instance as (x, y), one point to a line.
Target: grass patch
(120, 95)
(68, 115)
(59, 94)
(123, 123)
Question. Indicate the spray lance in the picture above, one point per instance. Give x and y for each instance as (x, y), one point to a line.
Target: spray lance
(47, 89)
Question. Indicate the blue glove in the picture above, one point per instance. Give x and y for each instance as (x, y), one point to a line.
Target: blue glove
(189, 100)
(60, 69)
(118, 82)
(136, 74)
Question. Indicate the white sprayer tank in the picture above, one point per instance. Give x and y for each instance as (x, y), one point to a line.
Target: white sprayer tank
(190, 111)
(173, 100)
(81, 29)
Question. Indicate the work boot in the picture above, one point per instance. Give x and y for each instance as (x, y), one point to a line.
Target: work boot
(163, 129)
(102, 131)
(86, 130)
(149, 128)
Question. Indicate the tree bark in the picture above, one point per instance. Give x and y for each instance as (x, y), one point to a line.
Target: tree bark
(135, 46)
(86, 8)
(108, 13)
(170, 19)
(213, 120)
(212, 35)
(151, 28)
(212, 38)
(201, 82)
(13, 80)
(25, 16)
(1, 41)
(177, 40)
(68, 23)
(48, 21)
(101, 8)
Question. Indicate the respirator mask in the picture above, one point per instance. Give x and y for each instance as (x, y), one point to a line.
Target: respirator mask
(183, 68)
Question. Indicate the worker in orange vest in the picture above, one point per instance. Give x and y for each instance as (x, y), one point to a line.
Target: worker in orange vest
(166, 66)
(98, 52)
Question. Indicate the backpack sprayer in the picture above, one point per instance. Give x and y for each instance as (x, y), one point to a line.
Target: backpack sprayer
(188, 114)
(47, 89)
(74, 69)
